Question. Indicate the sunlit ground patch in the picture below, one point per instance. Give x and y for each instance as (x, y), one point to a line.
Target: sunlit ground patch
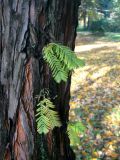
(95, 99)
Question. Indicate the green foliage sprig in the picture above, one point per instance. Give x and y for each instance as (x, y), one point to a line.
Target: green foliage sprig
(75, 129)
(46, 117)
(61, 60)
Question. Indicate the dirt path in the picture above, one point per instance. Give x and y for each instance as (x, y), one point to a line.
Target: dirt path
(95, 98)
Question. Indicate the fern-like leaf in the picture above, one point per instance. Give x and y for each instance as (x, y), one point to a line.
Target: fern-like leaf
(47, 117)
(61, 60)
(75, 129)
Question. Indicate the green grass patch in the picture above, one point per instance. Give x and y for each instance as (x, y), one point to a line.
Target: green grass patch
(108, 36)
(112, 36)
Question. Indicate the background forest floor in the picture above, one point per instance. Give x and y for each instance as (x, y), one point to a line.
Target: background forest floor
(95, 97)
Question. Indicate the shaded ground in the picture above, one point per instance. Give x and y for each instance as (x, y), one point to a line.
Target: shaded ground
(95, 98)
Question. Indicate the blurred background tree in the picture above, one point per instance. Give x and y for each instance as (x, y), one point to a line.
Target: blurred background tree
(100, 16)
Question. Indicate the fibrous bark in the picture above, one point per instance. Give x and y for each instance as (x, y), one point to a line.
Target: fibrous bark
(26, 27)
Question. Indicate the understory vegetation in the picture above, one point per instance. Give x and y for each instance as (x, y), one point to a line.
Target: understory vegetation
(62, 61)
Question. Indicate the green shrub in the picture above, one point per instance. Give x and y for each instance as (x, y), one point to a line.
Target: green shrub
(97, 27)
(105, 25)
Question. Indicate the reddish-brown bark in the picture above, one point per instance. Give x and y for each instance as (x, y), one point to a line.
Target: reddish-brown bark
(26, 27)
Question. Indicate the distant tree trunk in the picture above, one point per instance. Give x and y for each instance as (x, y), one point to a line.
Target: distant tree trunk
(26, 27)
(84, 19)
(89, 23)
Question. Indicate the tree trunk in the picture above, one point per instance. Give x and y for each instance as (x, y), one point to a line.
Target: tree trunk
(89, 23)
(84, 19)
(26, 27)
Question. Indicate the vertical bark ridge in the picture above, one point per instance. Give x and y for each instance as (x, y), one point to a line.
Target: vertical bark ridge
(23, 140)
